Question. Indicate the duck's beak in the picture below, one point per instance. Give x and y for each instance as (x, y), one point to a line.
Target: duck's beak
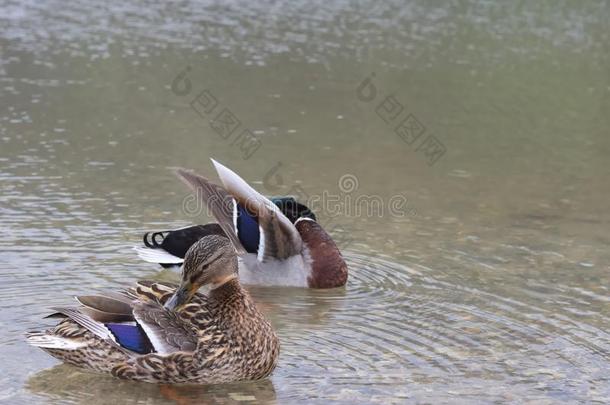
(181, 297)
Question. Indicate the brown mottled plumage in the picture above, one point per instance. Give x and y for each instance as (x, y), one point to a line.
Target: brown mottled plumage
(194, 338)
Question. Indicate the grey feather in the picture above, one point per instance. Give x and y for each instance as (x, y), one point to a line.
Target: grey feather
(105, 309)
(217, 200)
(165, 331)
(105, 304)
(84, 320)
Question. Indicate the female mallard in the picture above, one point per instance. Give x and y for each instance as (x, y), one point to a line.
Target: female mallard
(159, 333)
(279, 240)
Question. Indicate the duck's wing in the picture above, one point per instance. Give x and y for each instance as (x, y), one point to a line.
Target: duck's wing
(218, 201)
(138, 325)
(258, 223)
(115, 332)
(168, 331)
(106, 308)
(195, 313)
(279, 238)
(164, 329)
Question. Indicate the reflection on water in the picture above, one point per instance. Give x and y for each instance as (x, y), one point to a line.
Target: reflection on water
(63, 382)
(496, 289)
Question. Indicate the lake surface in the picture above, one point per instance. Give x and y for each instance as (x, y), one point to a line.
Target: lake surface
(458, 152)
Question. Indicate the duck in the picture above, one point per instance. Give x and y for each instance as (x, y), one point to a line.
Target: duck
(165, 333)
(168, 247)
(278, 240)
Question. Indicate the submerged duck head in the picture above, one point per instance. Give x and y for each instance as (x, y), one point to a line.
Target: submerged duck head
(212, 261)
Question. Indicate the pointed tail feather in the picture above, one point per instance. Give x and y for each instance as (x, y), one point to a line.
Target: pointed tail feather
(87, 322)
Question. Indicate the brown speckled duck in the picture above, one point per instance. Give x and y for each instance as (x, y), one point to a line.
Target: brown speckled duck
(278, 240)
(163, 333)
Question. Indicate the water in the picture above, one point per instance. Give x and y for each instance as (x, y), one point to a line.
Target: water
(487, 283)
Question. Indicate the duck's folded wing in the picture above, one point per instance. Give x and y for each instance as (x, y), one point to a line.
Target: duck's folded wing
(140, 327)
(86, 321)
(106, 308)
(108, 318)
(166, 332)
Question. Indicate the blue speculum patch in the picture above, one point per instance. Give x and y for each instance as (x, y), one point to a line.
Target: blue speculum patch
(131, 337)
(247, 230)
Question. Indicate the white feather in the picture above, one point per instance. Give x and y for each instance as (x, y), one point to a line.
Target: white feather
(157, 255)
(179, 229)
(303, 219)
(159, 345)
(235, 216)
(261, 244)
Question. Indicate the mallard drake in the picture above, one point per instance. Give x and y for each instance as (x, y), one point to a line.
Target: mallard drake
(176, 242)
(163, 333)
(278, 240)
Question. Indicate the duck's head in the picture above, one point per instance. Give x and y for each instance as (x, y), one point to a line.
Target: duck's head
(212, 261)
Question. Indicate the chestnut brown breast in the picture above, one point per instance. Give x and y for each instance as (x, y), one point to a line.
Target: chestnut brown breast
(328, 267)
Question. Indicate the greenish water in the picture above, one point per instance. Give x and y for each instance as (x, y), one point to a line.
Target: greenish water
(488, 282)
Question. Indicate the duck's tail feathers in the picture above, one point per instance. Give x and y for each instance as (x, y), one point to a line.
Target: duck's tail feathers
(157, 255)
(151, 239)
(47, 340)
